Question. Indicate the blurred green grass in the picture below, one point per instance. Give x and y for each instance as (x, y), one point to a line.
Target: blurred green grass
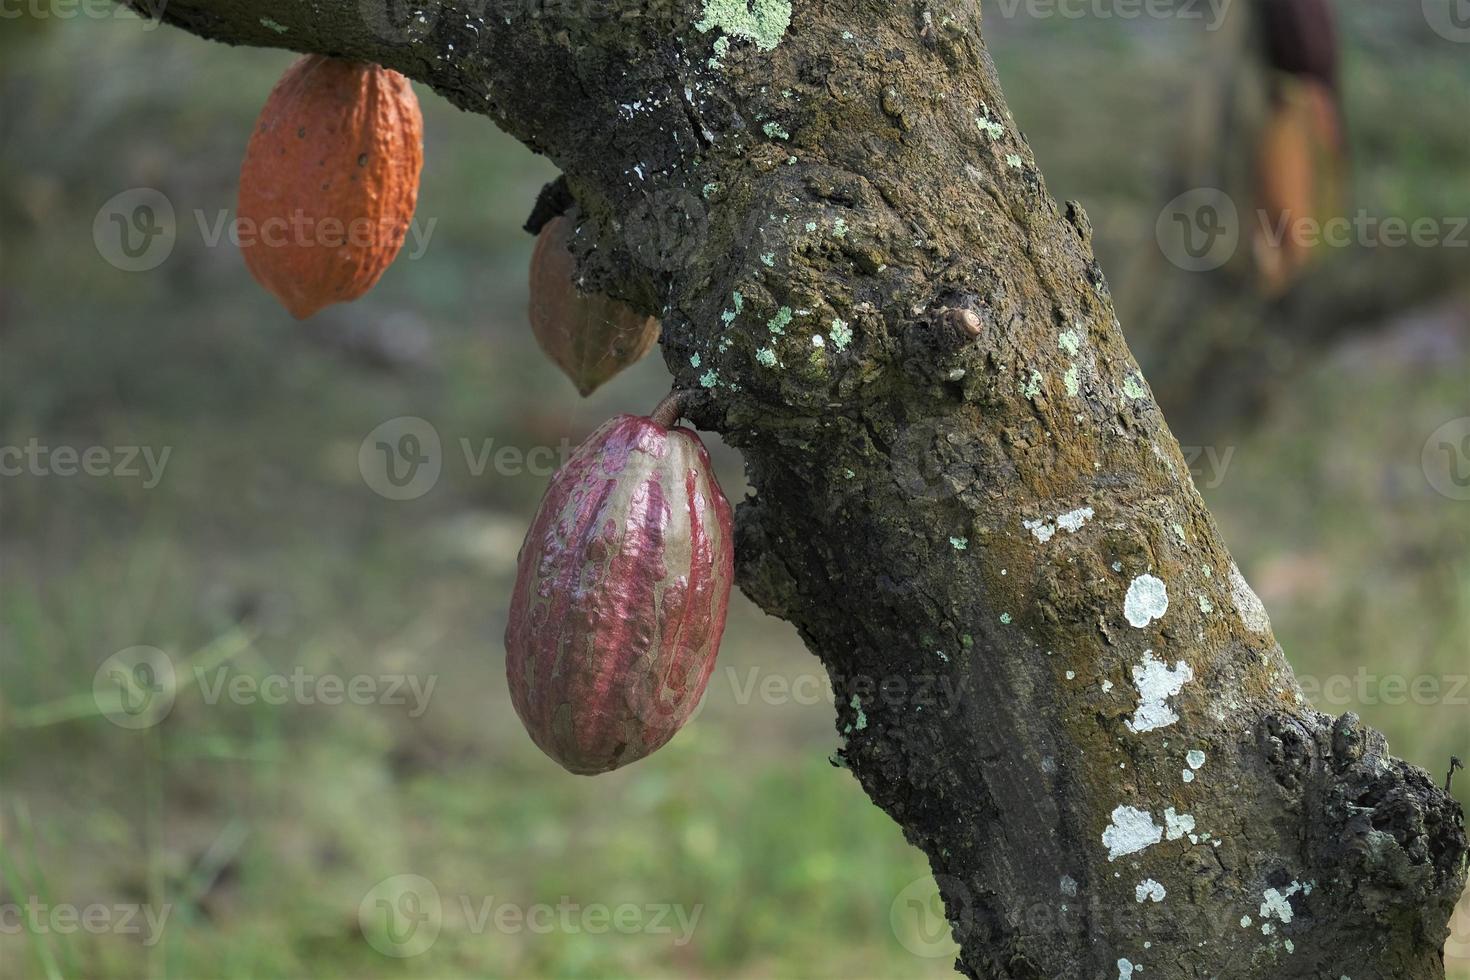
(263, 827)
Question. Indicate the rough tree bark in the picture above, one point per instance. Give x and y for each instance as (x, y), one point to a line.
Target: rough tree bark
(824, 204)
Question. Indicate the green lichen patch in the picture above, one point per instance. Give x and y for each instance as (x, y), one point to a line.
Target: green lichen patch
(763, 22)
(1071, 380)
(841, 334)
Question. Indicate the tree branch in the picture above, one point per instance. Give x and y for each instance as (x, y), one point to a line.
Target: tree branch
(975, 534)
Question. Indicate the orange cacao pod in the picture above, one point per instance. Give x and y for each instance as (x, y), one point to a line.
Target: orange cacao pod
(620, 597)
(589, 336)
(329, 182)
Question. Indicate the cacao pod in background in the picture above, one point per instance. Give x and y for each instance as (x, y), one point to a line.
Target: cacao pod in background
(1299, 165)
(329, 182)
(589, 336)
(621, 591)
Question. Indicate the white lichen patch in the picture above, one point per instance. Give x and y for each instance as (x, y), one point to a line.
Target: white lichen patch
(1276, 902)
(1130, 831)
(1186, 775)
(1157, 682)
(775, 131)
(1146, 601)
(766, 357)
(1013, 161)
(1125, 970)
(1032, 388)
(1149, 890)
(1195, 758)
(1073, 520)
(1252, 610)
(764, 21)
(1133, 387)
(1043, 529)
(862, 717)
(1205, 605)
(1069, 886)
(1069, 342)
(1176, 824)
(959, 544)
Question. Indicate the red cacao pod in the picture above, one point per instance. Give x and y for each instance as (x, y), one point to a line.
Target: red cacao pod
(589, 336)
(621, 591)
(329, 182)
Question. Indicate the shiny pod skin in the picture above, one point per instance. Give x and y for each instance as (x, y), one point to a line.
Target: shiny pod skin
(621, 591)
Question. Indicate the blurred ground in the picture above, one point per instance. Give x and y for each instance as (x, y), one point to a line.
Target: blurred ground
(263, 828)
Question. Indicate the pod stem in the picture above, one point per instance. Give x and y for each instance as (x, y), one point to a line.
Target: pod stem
(671, 409)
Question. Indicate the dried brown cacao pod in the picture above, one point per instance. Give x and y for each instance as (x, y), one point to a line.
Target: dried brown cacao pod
(329, 182)
(589, 336)
(621, 591)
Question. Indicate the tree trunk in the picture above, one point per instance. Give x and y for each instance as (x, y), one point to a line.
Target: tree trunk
(966, 498)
